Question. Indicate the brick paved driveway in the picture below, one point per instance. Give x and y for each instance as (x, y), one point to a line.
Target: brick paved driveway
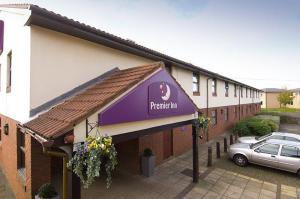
(173, 179)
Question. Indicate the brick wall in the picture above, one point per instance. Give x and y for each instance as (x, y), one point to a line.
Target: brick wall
(182, 139)
(222, 125)
(128, 155)
(37, 165)
(154, 142)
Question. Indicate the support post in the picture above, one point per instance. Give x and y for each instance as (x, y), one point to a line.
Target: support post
(195, 129)
(218, 150)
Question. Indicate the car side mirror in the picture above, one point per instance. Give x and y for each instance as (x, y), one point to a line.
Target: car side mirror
(257, 150)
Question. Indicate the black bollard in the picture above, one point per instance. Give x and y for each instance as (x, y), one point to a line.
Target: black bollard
(218, 150)
(209, 156)
(231, 140)
(225, 145)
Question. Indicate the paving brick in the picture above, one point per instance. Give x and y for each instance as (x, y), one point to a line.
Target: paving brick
(233, 192)
(212, 195)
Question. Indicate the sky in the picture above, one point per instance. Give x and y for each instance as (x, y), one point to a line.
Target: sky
(256, 42)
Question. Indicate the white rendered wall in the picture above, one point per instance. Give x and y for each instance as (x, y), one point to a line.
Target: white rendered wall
(15, 104)
(184, 77)
(60, 63)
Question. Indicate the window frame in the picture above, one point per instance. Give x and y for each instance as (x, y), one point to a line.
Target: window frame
(226, 89)
(21, 153)
(214, 87)
(197, 83)
(214, 117)
(9, 72)
(226, 114)
(258, 149)
(298, 151)
(241, 92)
(235, 90)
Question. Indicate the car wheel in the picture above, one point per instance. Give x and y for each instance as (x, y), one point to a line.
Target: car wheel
(298, 173)
(240, 160)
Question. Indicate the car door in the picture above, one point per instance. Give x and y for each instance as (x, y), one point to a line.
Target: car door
(266, 155)
(289, 158)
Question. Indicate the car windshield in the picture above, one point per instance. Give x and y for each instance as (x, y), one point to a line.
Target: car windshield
(263, 137)
(254, 145)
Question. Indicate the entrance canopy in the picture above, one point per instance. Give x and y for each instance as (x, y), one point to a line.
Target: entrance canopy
(138, 97)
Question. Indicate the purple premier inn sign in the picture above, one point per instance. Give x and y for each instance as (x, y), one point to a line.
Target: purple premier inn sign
(1, 36)
(162, 98)
(157, 97)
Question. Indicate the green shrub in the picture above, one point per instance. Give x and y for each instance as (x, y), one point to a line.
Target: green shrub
(47, 191)
(259, 128)
(254, 127)
(274, 127)
(241, 128)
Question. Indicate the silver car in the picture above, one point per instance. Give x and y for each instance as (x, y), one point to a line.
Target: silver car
(278, 154)
(275, 135)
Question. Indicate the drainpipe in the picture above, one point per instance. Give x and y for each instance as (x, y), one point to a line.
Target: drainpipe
(65, 158)
(207, 97)
(207, 104)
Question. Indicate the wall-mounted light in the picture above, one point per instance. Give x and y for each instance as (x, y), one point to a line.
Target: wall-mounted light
(6, 129)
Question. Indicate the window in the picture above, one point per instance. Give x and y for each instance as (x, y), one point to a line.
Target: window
(268, 149)
(214, 87)
(226, 89)
(290, 151)
(242, 91)
(246, 92)
(226, 114)
(9, 64)
(196, 84)
(235, 90)
(21, 152)
(236, 111)
(214, 117)
(276, 137)
(291, 139)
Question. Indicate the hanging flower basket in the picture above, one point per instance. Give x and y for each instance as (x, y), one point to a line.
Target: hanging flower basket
(95, 155)
(204, 123)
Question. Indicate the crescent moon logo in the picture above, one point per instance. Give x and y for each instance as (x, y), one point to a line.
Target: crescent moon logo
(165, 89)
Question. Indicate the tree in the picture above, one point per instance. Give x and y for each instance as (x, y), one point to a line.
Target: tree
(285, 97)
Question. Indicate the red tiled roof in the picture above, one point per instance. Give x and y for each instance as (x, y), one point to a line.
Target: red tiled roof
(64, 116)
